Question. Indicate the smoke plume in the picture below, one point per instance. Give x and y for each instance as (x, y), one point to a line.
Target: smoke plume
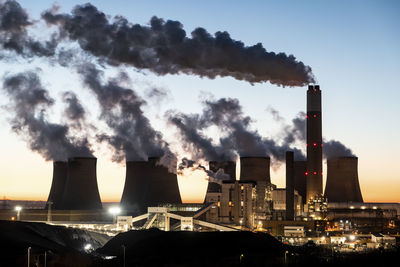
(297, 132)
(14, 22)
(133, 136)
(29, 104)
(164, 48)
(216, 177)
(334, 149)
(228, 116)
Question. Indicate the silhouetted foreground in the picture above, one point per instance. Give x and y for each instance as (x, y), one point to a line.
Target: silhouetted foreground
(65, 247)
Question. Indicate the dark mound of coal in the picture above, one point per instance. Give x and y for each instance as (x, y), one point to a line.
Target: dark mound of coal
(154, 247)
(61, 244)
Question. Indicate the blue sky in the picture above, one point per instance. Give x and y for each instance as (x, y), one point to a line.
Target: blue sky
(353, 48)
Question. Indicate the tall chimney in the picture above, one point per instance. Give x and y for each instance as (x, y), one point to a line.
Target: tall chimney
(81, 191)
(148, 184)
(342, 183)
(314, 142)
(255, 169)
(289, 186)
(60, 170)
(300, 179)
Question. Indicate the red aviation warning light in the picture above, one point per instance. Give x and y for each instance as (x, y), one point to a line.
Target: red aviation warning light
(306, 173)
(315, 144)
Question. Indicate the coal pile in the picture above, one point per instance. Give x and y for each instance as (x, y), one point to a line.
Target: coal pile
(63, 246)
(158, 248)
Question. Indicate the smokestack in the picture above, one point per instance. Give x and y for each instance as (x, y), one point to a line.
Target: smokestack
(60, 170)
(300, 178)
(148, 184)
(289, 186)
(342, 183)
(314, 142)
(81, 191)
(255, 169)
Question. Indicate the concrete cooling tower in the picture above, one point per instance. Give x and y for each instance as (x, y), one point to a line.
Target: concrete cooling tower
(342, 180)
(314, 142)
(60, 170)
(81, 191)
(300, 182)
(148, 184)
(255, 169)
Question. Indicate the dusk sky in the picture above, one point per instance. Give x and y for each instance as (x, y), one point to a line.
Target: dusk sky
(353, 48)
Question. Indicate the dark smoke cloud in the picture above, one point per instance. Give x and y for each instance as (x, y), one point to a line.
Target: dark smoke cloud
(217, 176)
(297, 132)
(194, 141)
(164, 48)
(29, 103)
(228, 116)
(74, 110)
(133, 136)
(334, 149)
(14, 36)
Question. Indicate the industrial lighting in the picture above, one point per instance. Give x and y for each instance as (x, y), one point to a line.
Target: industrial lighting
(88, 247)
(351, 207)
(114, 210)
(18, 209)
(352, 237)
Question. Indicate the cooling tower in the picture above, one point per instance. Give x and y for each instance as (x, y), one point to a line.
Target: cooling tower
(314, 142)
(148, 184)
(133, 198)
(289, 186)
(342, 180)
(81, 191)
(60, 170)
(255, 169)
(300, 182)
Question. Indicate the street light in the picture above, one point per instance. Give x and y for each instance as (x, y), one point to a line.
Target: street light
(114, 211)
(18, 209)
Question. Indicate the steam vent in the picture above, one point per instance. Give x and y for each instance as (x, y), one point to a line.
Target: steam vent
(342, 181)
(255, 169)
(81, 191)
(148, 184)
(60, 170)
(229, 168)
(314, 142)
